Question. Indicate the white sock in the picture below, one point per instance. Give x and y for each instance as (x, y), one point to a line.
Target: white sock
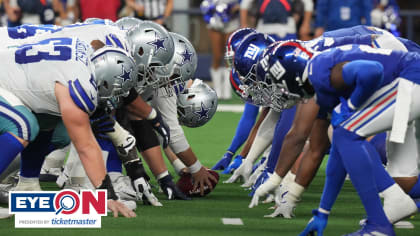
(216, 77)
(56, 158)
(393, 191)
(227, 91)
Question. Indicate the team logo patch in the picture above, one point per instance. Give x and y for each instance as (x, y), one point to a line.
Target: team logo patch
(186, 56)
(58, 209)
(203, 112)
(252, 51)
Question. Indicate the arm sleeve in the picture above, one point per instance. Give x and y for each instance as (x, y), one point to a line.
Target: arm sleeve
(321, 13)
(367, 9)
(365, 76)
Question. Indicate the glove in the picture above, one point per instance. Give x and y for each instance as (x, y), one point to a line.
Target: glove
(170, 189)
(223, 162)
(101, 123)
(161, 127)
(271, 184)
(317, 224)
(345, 113)
(144, 192)
(128, 147)
(234, 165)
(243, 171)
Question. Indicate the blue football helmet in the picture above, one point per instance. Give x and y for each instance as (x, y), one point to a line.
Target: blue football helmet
(281, 72)
(246, 58)
(233, 42)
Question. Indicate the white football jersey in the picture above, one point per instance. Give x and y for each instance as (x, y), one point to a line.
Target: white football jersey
(31, 71)
(110, 35)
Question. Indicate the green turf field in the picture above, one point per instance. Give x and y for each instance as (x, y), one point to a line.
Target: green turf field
(202, 216)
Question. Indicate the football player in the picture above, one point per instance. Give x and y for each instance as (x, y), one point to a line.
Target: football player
(69, 94)
(342, 86)
(303, 125)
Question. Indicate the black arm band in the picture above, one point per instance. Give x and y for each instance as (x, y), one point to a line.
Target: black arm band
(107, 185)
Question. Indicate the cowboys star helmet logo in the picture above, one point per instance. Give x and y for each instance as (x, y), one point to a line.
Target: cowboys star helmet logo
(186, 56)
(125, 75)
(158, 43)
(204, 112)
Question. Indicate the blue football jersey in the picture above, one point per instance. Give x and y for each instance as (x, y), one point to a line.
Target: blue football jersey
(395, 63)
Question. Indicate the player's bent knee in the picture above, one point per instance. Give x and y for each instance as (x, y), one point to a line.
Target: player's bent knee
(144, 134)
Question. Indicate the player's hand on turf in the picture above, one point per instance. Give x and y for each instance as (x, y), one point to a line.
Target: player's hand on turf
(316, 224)
(223, 162)
(345, 112)
(118, 208)
(162, 128)
(203, 178)
(244, 171)
(270, 185)
(234, 165)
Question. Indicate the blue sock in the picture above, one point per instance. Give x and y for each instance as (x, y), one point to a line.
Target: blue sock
(379, 142)
(415, 190)
(113, 163)
(282, 127)
(335, 176)
(355, 156)
(244, 127)
(34, 155)
(10, 147)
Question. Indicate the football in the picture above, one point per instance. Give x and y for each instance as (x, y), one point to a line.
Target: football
(186, 185)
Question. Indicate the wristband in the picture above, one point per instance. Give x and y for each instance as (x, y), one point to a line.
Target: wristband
(107, 185)
(275, 179)
(194, 168)
(323, 211)
(178, 166)
(152, 114)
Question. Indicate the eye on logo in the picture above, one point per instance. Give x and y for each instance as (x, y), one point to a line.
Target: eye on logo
(252, 51)
(67, 202)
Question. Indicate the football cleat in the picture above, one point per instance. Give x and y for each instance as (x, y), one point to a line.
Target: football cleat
(144, 192)
(234, 165)
(374, 230)
(122, 186)
(28, 184)
(223, 163)
(170, 189)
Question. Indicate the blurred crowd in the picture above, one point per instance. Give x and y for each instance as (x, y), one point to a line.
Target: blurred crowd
(65, 12)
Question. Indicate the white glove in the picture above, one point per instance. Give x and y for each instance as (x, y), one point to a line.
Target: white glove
(284, 207)
(273, 182)
(144, 192)
(243, 171)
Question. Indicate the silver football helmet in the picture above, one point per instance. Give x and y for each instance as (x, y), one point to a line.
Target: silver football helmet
(153, 49)
(128, 22)
(196, 105)
(182, 66)
(115, 72)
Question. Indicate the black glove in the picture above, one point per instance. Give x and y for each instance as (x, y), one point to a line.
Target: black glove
(170, 189)
(101, 123)
(162, 128)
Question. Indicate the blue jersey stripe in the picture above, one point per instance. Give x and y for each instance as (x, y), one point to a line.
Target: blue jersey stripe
(84, 95)
(117, 41)
(21, 127)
